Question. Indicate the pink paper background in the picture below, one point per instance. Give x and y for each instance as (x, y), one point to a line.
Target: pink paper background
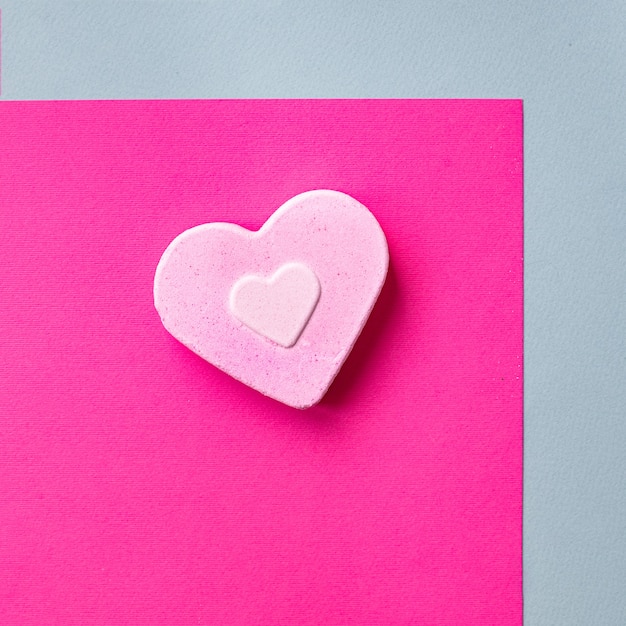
(140, 485)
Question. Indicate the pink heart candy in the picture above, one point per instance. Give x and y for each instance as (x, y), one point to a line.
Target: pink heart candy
(279, 308)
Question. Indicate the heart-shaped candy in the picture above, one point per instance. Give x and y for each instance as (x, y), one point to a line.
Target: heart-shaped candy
(279, 308)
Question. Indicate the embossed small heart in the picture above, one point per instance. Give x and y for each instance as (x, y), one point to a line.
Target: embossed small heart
(280, 307)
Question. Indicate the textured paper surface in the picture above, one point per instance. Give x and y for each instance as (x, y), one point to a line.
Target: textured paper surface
(141, 485)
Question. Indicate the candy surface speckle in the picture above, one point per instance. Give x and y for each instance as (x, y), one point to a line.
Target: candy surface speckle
(279, 308)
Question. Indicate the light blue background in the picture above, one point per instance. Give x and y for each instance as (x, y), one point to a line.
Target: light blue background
(567, 60)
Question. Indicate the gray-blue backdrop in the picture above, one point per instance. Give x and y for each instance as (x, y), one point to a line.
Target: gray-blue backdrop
(568, 61)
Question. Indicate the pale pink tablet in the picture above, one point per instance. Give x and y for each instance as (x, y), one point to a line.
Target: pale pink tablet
(278, 309)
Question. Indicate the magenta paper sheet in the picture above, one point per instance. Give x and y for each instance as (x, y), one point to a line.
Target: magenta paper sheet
(142, 486)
